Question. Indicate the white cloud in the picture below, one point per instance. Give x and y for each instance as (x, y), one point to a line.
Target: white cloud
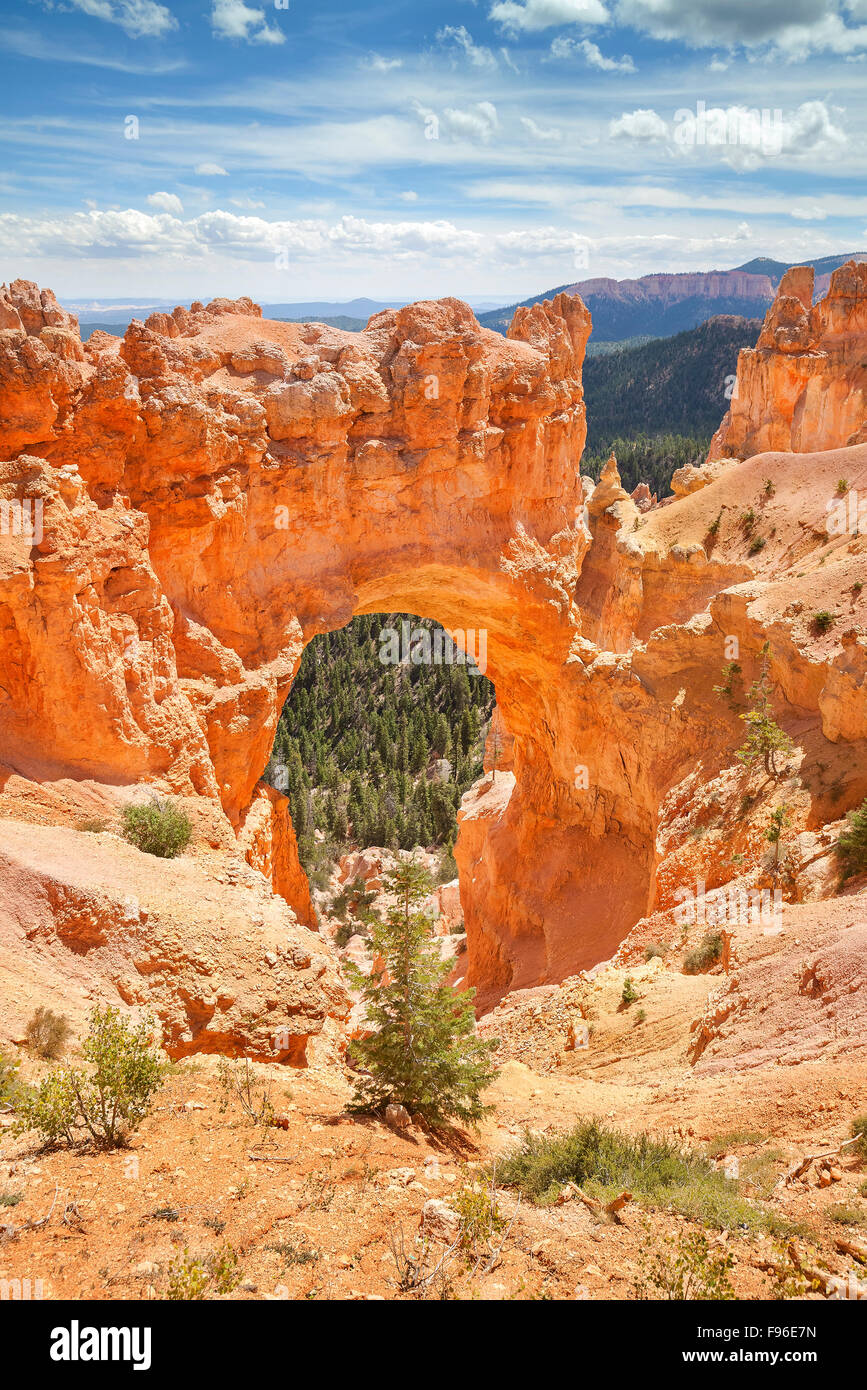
(209, 169)
(376, 63)
(743, 137)
(809, 214)
(479, 56)
(533, 15)
(792, 28)
(33, 45)
(166, 202)
(595, 58)
(750, 137)
(136, 234)
(539, 132)
(478, 122)
(233, 19)
(141, 19)
(247, 203)
(644, 126)
(409, 196)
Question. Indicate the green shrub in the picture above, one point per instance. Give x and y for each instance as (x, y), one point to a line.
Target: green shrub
(733, 1139)
(656, 951)
(107, 1100)
(157, 827)
(851, 845)
(9, 1084)
(192, 1278)
(295, 1254)
(686, 1269)
(479, 1215)
(730, 673)
(630, 993)
(859, 1129)
(843, 1215)
(47, 1032)
(706, 954)
(50, 1109)
(92, 825)
(606, 1162)
(823, 620)
(164, 1214)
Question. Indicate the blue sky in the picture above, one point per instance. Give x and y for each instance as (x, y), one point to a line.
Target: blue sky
(488, 149)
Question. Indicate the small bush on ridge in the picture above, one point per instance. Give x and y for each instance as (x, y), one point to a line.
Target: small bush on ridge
(157, 827)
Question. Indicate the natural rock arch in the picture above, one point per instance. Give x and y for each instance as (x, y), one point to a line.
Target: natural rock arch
(218, 489)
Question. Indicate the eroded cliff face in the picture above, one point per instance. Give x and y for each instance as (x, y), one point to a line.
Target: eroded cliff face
(804, 385)
(216, 489)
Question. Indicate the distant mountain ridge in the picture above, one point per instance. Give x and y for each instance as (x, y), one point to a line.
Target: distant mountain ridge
(661, 305)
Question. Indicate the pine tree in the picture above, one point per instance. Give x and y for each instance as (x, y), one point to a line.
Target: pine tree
(765, 738)
(852, 844)
(423, 1052)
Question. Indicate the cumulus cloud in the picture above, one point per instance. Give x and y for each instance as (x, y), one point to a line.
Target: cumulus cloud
(166, 202)
(750, 137)
(643, 126)
(566, 48)
(209, 168)
(744, 137)
(794, 28)
(539, 132)
(141, 19)
(134, 234)
(233, 19)
(533, 15)
(376, 63)
(458, 37)
(477, 122)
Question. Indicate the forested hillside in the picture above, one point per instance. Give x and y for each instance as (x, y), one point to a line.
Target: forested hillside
(667, 386)
(657, 404)
(372, 753)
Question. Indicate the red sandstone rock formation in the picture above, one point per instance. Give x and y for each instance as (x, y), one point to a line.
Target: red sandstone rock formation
(216, 489)
(804, 385)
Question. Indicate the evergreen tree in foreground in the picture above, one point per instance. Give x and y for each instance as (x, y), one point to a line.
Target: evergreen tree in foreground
(423, 1052)
(852, 844)
(765, 739)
